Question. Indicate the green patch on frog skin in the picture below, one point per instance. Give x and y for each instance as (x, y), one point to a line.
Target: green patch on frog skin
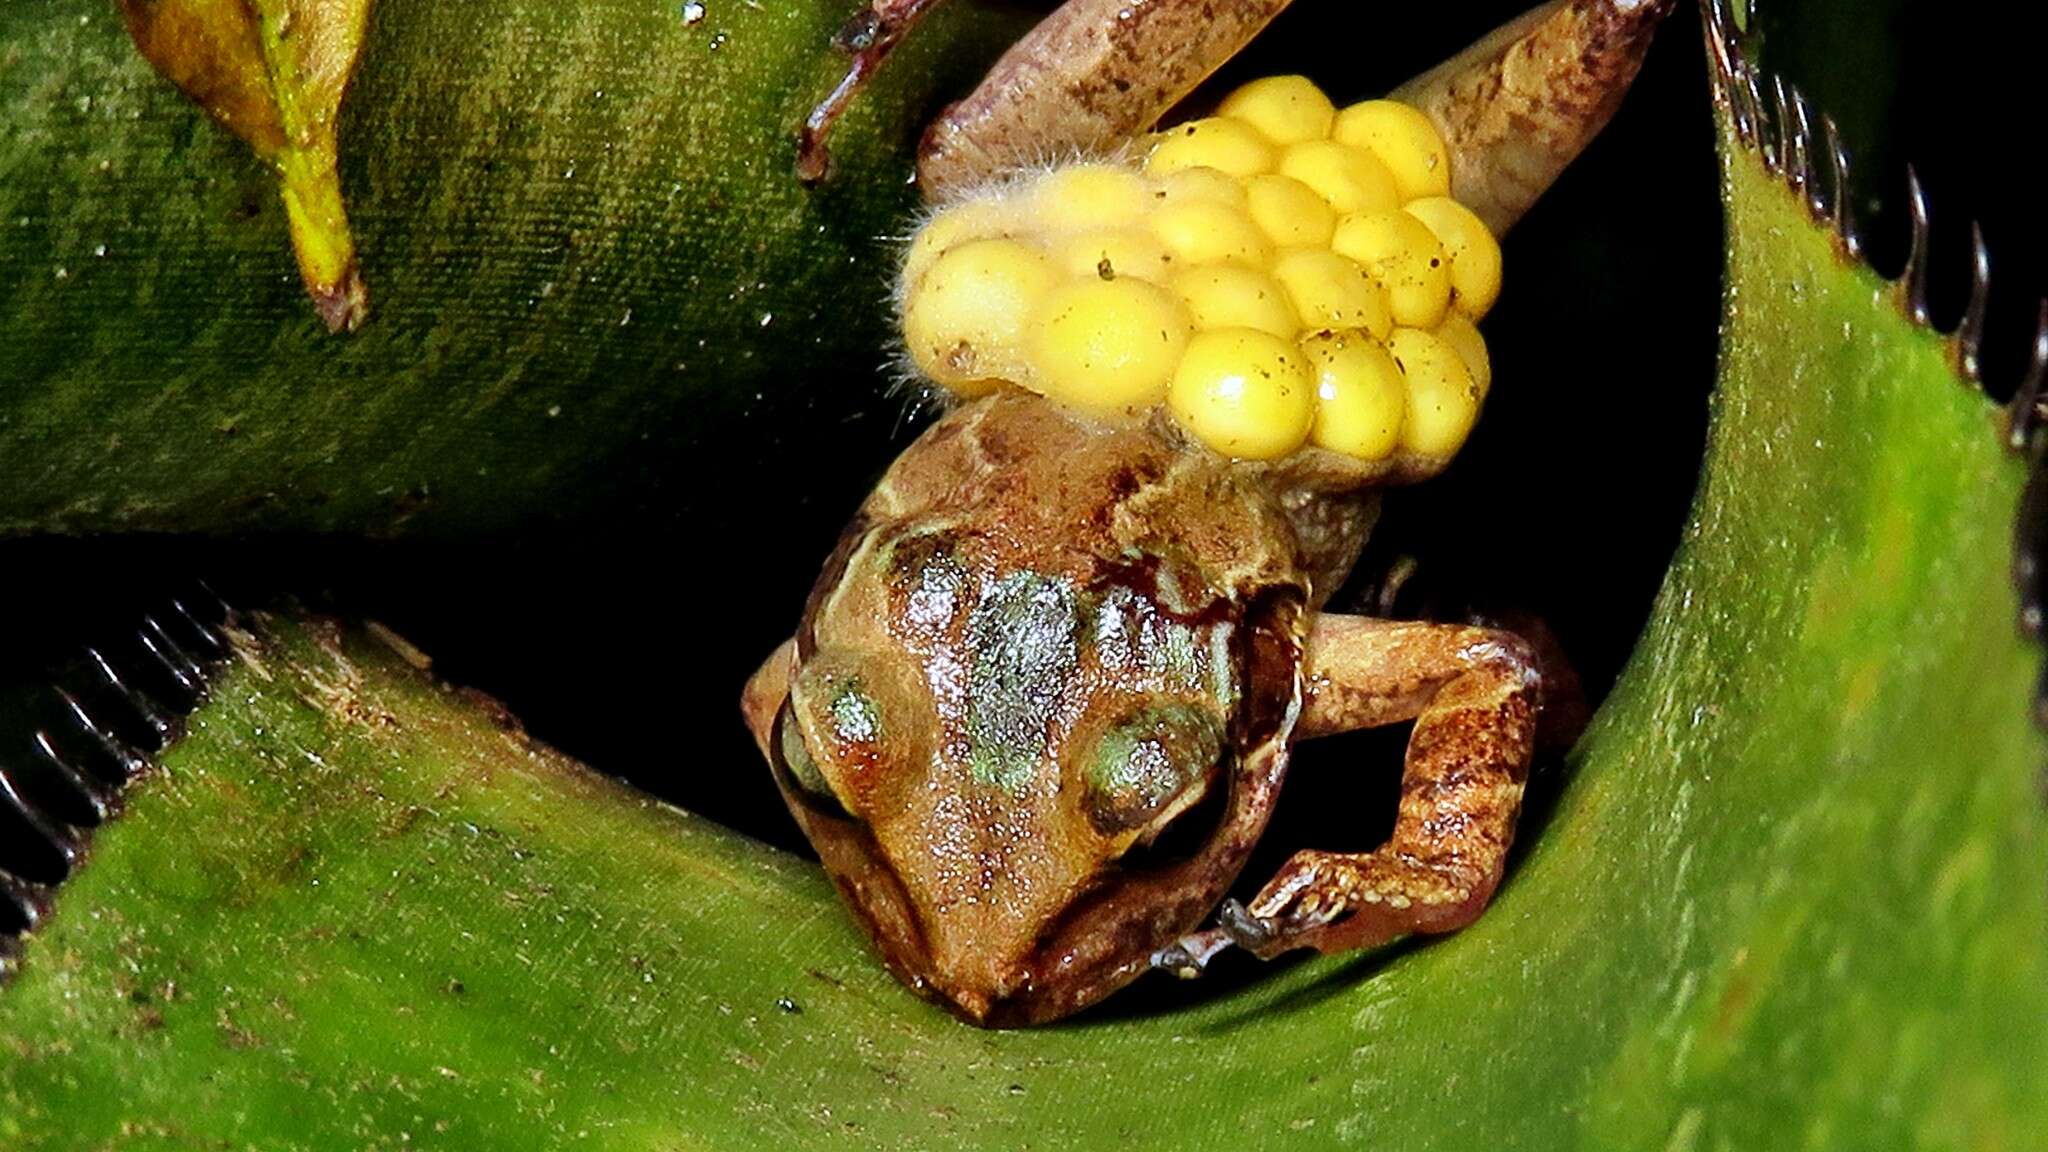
(855, 719)
(1130, 637)
(1023, 638)
(1141, 765)
(922, 562)
(1182, 656)
(1223, 684)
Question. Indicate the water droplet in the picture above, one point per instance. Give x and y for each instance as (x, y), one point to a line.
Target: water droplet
(692, 12)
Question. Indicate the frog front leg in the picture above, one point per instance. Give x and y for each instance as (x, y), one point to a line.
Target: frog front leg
(1474, 694)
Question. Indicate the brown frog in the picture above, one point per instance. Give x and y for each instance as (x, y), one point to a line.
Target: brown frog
(1041, 699)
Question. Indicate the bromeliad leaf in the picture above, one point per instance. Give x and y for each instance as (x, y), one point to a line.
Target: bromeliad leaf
(1777, 904)
(274, 72)
(591, 262)
(1791, 896)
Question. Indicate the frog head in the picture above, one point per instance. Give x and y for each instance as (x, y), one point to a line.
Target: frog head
(1031, 754)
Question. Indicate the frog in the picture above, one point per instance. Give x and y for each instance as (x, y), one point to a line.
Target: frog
(1042, 697)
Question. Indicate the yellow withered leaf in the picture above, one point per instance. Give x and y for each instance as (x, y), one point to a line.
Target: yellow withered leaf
(274, 72)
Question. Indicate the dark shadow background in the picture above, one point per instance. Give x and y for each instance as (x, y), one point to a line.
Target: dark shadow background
(624, 638)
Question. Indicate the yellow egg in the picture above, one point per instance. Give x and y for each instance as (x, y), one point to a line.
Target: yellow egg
(1198, 184)
(1332, 291)
(1351, 180)
(1360, 395)
(1089, 197)
(1443, 400)
(1229, 146)
(970, 220)
(965, 319)
(1404, 140)
(1108, 255)
(1288, 211)
(1232, 296)
(1206, 232)
(1109, 345)
(1474, 253)
(1244, 393)
(1285, 109)
(1402, 253)
(1463, 336)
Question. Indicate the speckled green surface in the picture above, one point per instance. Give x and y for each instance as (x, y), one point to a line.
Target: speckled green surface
(580, 230)
(1793, 895)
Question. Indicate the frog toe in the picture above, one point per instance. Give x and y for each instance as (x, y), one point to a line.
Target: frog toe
(1254, 934)
(1189, 956)
(1305, 906)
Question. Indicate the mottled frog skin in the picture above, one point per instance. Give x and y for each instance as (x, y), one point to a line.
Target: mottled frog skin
(1042, 697)
(1041, 700)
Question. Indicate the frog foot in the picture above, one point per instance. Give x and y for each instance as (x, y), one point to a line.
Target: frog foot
(1335, 902)
(1236, 925)
(1189, 956)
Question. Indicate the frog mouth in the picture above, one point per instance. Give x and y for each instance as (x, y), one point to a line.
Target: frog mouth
(868, 886)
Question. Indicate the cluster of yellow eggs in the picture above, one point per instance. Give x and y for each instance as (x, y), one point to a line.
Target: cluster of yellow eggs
(1279, 274)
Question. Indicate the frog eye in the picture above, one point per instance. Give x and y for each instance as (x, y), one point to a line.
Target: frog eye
(798, 769)
(1150, 767)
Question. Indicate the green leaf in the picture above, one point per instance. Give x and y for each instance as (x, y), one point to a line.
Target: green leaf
(586, 238)
(1793, 893)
